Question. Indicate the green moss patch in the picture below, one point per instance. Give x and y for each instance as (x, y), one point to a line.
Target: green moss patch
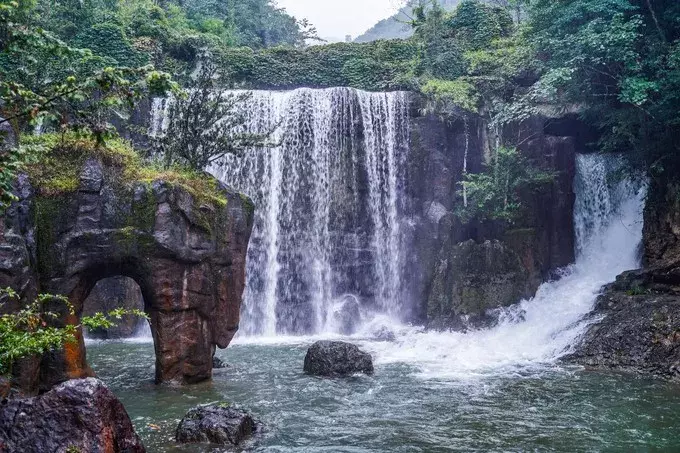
(60, 159)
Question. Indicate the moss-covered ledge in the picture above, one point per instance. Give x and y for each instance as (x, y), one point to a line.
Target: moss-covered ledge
(98, 212)
(383, 65)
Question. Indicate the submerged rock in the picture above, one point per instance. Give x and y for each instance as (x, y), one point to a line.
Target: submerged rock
(79, 415)
(383, 334)
(217, 424)
(348, 316)
(218, 363)
(337, 358)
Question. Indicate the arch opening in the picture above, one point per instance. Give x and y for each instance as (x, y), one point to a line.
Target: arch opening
(112, 293)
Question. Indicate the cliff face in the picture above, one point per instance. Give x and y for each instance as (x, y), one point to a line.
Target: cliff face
(436, 156)
(462, 271)
(185, 251)
(640, 326)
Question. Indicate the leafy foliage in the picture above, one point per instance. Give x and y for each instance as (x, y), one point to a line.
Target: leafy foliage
(381, 65)
(619, 60)
(31, 330)
(497, 193)
(447, 95)
(32, 92)
(206, 124)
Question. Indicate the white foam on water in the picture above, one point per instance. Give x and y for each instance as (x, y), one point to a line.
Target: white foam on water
(536, 332)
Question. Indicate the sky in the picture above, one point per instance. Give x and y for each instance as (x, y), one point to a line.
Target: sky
(337, 18)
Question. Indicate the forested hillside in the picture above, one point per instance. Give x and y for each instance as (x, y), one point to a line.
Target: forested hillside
(168, 33)
(398, 26)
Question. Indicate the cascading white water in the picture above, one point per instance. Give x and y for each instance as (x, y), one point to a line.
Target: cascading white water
(608, 222)
(327, 197)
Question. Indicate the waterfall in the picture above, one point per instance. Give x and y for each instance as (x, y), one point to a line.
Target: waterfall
(328, 200)
(608, 222)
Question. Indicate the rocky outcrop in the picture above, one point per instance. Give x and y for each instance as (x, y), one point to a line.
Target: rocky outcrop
(639, 328)
(109, 294)
(216, 424)
(18, 247)
(8, 138)
(337, 358)
(661, 230)
(474, 278)
(186, 252)
(522, 255)
(79, 415)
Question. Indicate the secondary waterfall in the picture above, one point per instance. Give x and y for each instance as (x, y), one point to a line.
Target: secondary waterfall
(608, 222)
(328, 198)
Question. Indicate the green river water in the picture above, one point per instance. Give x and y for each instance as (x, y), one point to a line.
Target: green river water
(401, 408)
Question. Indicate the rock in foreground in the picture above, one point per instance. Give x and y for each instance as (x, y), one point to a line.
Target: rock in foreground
(217, 424)
(337, 358)
(79, 415)
(640, 326)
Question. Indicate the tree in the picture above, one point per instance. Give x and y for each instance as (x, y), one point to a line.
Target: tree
(619, 60)
(496, 193)
(204, 124)
(29, 94)
(30, 330)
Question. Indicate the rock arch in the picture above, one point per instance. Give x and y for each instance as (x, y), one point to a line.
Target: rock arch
(187, 254)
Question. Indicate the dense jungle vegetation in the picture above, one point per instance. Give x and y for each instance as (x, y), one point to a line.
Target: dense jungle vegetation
(615, 63)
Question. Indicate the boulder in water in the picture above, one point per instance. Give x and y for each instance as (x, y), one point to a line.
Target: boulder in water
(337, 358)
(79, 415)
(216, 423)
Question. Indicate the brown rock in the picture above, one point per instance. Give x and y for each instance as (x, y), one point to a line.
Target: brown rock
(82, 415)
(186, 255)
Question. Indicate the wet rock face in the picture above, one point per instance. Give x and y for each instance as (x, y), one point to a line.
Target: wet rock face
(473, 279)
(640, 329)
(216, 424)
(662, 223)
(80, 414)
(8, 138)
(337, 358)
(187, 255)
(543, 240)
(17, 246)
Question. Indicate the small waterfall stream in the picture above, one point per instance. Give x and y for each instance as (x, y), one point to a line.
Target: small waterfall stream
(608, 222)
